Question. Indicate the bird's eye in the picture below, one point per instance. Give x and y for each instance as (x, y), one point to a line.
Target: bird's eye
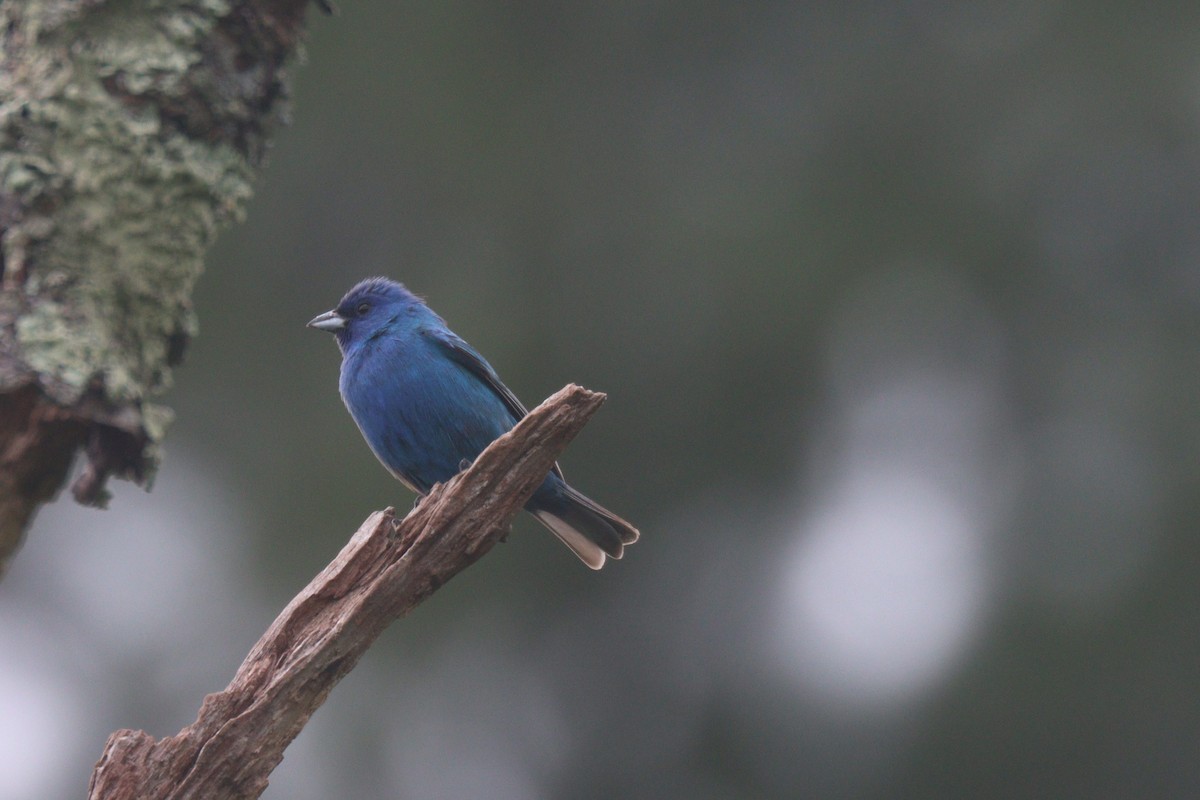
(363, 308)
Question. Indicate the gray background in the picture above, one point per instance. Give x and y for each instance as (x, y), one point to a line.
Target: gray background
(896, 305)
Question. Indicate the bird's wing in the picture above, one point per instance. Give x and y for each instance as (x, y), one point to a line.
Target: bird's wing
(466, 356)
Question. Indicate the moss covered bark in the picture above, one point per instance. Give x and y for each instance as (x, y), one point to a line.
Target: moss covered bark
(129, 132)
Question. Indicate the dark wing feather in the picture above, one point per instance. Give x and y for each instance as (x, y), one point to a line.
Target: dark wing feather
(468, 357)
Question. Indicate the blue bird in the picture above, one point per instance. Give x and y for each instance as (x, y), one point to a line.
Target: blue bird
(427, 403)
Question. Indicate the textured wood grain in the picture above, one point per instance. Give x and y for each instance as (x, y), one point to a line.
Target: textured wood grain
(385, 571)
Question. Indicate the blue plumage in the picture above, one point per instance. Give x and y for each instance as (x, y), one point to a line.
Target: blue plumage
(426, 401)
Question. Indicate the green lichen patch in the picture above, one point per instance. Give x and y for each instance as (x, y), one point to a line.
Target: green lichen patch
(120, 199)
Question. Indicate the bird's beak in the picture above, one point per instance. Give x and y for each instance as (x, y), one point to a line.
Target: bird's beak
(329, 321)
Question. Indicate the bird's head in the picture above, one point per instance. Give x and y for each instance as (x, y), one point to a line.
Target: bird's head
(366, 311)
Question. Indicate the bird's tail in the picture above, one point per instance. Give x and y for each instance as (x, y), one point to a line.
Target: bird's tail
(591, 531)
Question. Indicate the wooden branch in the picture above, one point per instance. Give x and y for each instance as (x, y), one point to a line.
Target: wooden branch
(383, 573)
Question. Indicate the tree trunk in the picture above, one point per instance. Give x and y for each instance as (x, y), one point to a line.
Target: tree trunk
(128, 133)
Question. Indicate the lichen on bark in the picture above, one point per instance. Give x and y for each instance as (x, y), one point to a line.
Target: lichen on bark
(128, 202)
(129, 132)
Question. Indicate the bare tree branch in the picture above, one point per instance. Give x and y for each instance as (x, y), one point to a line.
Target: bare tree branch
(382, 574)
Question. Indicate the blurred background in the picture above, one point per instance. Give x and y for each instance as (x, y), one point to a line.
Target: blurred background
(897, 310)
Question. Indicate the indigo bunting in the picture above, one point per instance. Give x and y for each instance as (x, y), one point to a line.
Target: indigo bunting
(427, 403)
